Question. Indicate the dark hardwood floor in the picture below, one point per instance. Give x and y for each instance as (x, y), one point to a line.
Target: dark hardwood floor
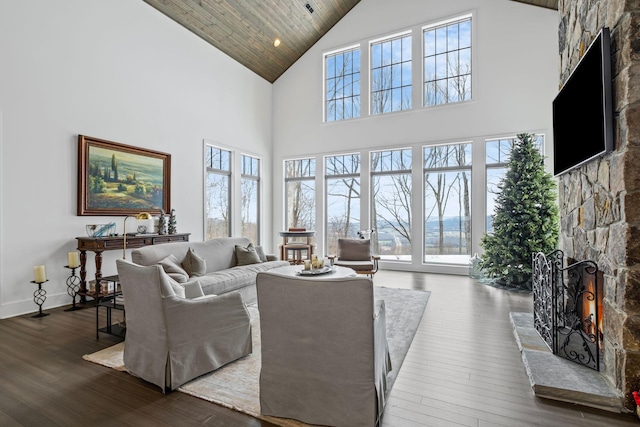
(463, 368)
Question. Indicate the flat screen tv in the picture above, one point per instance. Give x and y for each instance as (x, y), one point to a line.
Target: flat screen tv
(583, 110)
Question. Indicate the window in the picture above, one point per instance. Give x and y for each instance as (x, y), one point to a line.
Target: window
(447, 62)
(447, 203)
(342, 174)
(300, 187)
(250, 198)
(218, 193)
(342, 85)
(391, 74)
(498, 154)
(391, 204)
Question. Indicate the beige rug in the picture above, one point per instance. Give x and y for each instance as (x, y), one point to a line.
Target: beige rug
(236, 385)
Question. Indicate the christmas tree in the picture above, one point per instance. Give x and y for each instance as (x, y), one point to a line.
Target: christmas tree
(525, 219)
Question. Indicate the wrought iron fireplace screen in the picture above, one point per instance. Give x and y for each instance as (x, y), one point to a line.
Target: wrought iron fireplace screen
(567, 307)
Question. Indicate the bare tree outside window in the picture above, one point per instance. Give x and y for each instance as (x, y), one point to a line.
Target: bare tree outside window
(447, 197)
(342, 85)
(342, 174)
(301, 193)
(218, 193)
(447, 63)
(250, 198)
(391, 203)
(391, 75)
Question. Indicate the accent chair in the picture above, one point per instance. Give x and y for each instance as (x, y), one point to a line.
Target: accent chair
(325, 356)
(356, 254)
(175, 333)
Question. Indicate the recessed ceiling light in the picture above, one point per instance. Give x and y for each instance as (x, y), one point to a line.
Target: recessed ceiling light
(276, 43)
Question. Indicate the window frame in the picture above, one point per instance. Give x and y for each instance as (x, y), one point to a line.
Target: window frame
(257, 179)
(373, 173)
(408, 34)
(336, 176)
(228, 173)
(446, 24)
(325, 87)
(306, 178)
(466, 168)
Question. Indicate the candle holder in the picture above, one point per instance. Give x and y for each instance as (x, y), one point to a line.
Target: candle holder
(73, 286)
(39, 296)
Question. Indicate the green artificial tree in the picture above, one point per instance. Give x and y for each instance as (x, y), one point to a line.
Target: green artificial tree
(525, 219)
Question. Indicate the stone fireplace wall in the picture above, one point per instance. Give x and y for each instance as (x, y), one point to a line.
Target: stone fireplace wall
(600, 202)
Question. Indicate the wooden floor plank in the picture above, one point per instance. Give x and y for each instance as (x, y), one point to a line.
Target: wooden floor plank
(463, 369)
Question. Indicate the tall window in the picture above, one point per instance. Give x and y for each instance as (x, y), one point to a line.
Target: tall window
(300, 187)
(342, 85)
(391, 74)
(447, 203)
(250, 198)
(342, 174)
(498, 154)
(391, 203)
(218, 193)
(447, 62)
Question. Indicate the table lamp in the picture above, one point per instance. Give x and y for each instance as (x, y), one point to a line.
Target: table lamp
(141, 215)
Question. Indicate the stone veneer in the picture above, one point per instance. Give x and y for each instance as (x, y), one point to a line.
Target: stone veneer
(600, 202)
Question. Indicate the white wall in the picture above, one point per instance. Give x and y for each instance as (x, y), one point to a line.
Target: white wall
(515, 67)
(117, 70)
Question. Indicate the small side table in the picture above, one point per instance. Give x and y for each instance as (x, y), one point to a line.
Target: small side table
(109, 300)
(296, 247)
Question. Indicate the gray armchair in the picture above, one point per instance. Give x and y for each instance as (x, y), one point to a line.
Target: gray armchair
(356, 254)
(325, 356)
(174, 332)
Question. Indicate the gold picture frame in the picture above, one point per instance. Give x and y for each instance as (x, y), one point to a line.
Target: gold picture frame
(120, 179)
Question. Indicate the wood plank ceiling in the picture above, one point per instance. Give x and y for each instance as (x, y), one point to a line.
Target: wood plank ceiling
(246, 29)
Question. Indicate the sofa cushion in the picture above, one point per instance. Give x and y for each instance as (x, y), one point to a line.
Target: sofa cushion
(234, 278)
(247, 255)
(194, 264)
(172, 267)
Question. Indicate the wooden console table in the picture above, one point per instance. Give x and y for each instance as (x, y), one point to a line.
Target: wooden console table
(97, 245)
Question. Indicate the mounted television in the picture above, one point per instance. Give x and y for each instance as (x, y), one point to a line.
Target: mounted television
(583, 109)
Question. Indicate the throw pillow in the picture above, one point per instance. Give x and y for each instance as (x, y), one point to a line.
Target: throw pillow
(261, 253)
(172, 267)
(354, 249)
(248, 255)
(194, 264)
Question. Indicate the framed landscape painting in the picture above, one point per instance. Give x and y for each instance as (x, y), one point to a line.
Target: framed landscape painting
(119, 179)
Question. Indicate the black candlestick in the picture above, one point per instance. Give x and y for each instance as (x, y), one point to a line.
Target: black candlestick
(73, 285)
(39, 296)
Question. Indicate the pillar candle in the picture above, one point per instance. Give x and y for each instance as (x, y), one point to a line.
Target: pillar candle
(39, 274)
(74, 259)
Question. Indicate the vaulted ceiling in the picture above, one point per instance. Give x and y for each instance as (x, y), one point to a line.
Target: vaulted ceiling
(246, 30)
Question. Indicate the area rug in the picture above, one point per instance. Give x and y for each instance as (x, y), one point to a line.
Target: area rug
(236, 385)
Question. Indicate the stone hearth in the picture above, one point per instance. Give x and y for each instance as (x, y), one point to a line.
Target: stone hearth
(553, 377)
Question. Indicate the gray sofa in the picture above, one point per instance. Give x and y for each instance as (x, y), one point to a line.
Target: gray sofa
(223, 274)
